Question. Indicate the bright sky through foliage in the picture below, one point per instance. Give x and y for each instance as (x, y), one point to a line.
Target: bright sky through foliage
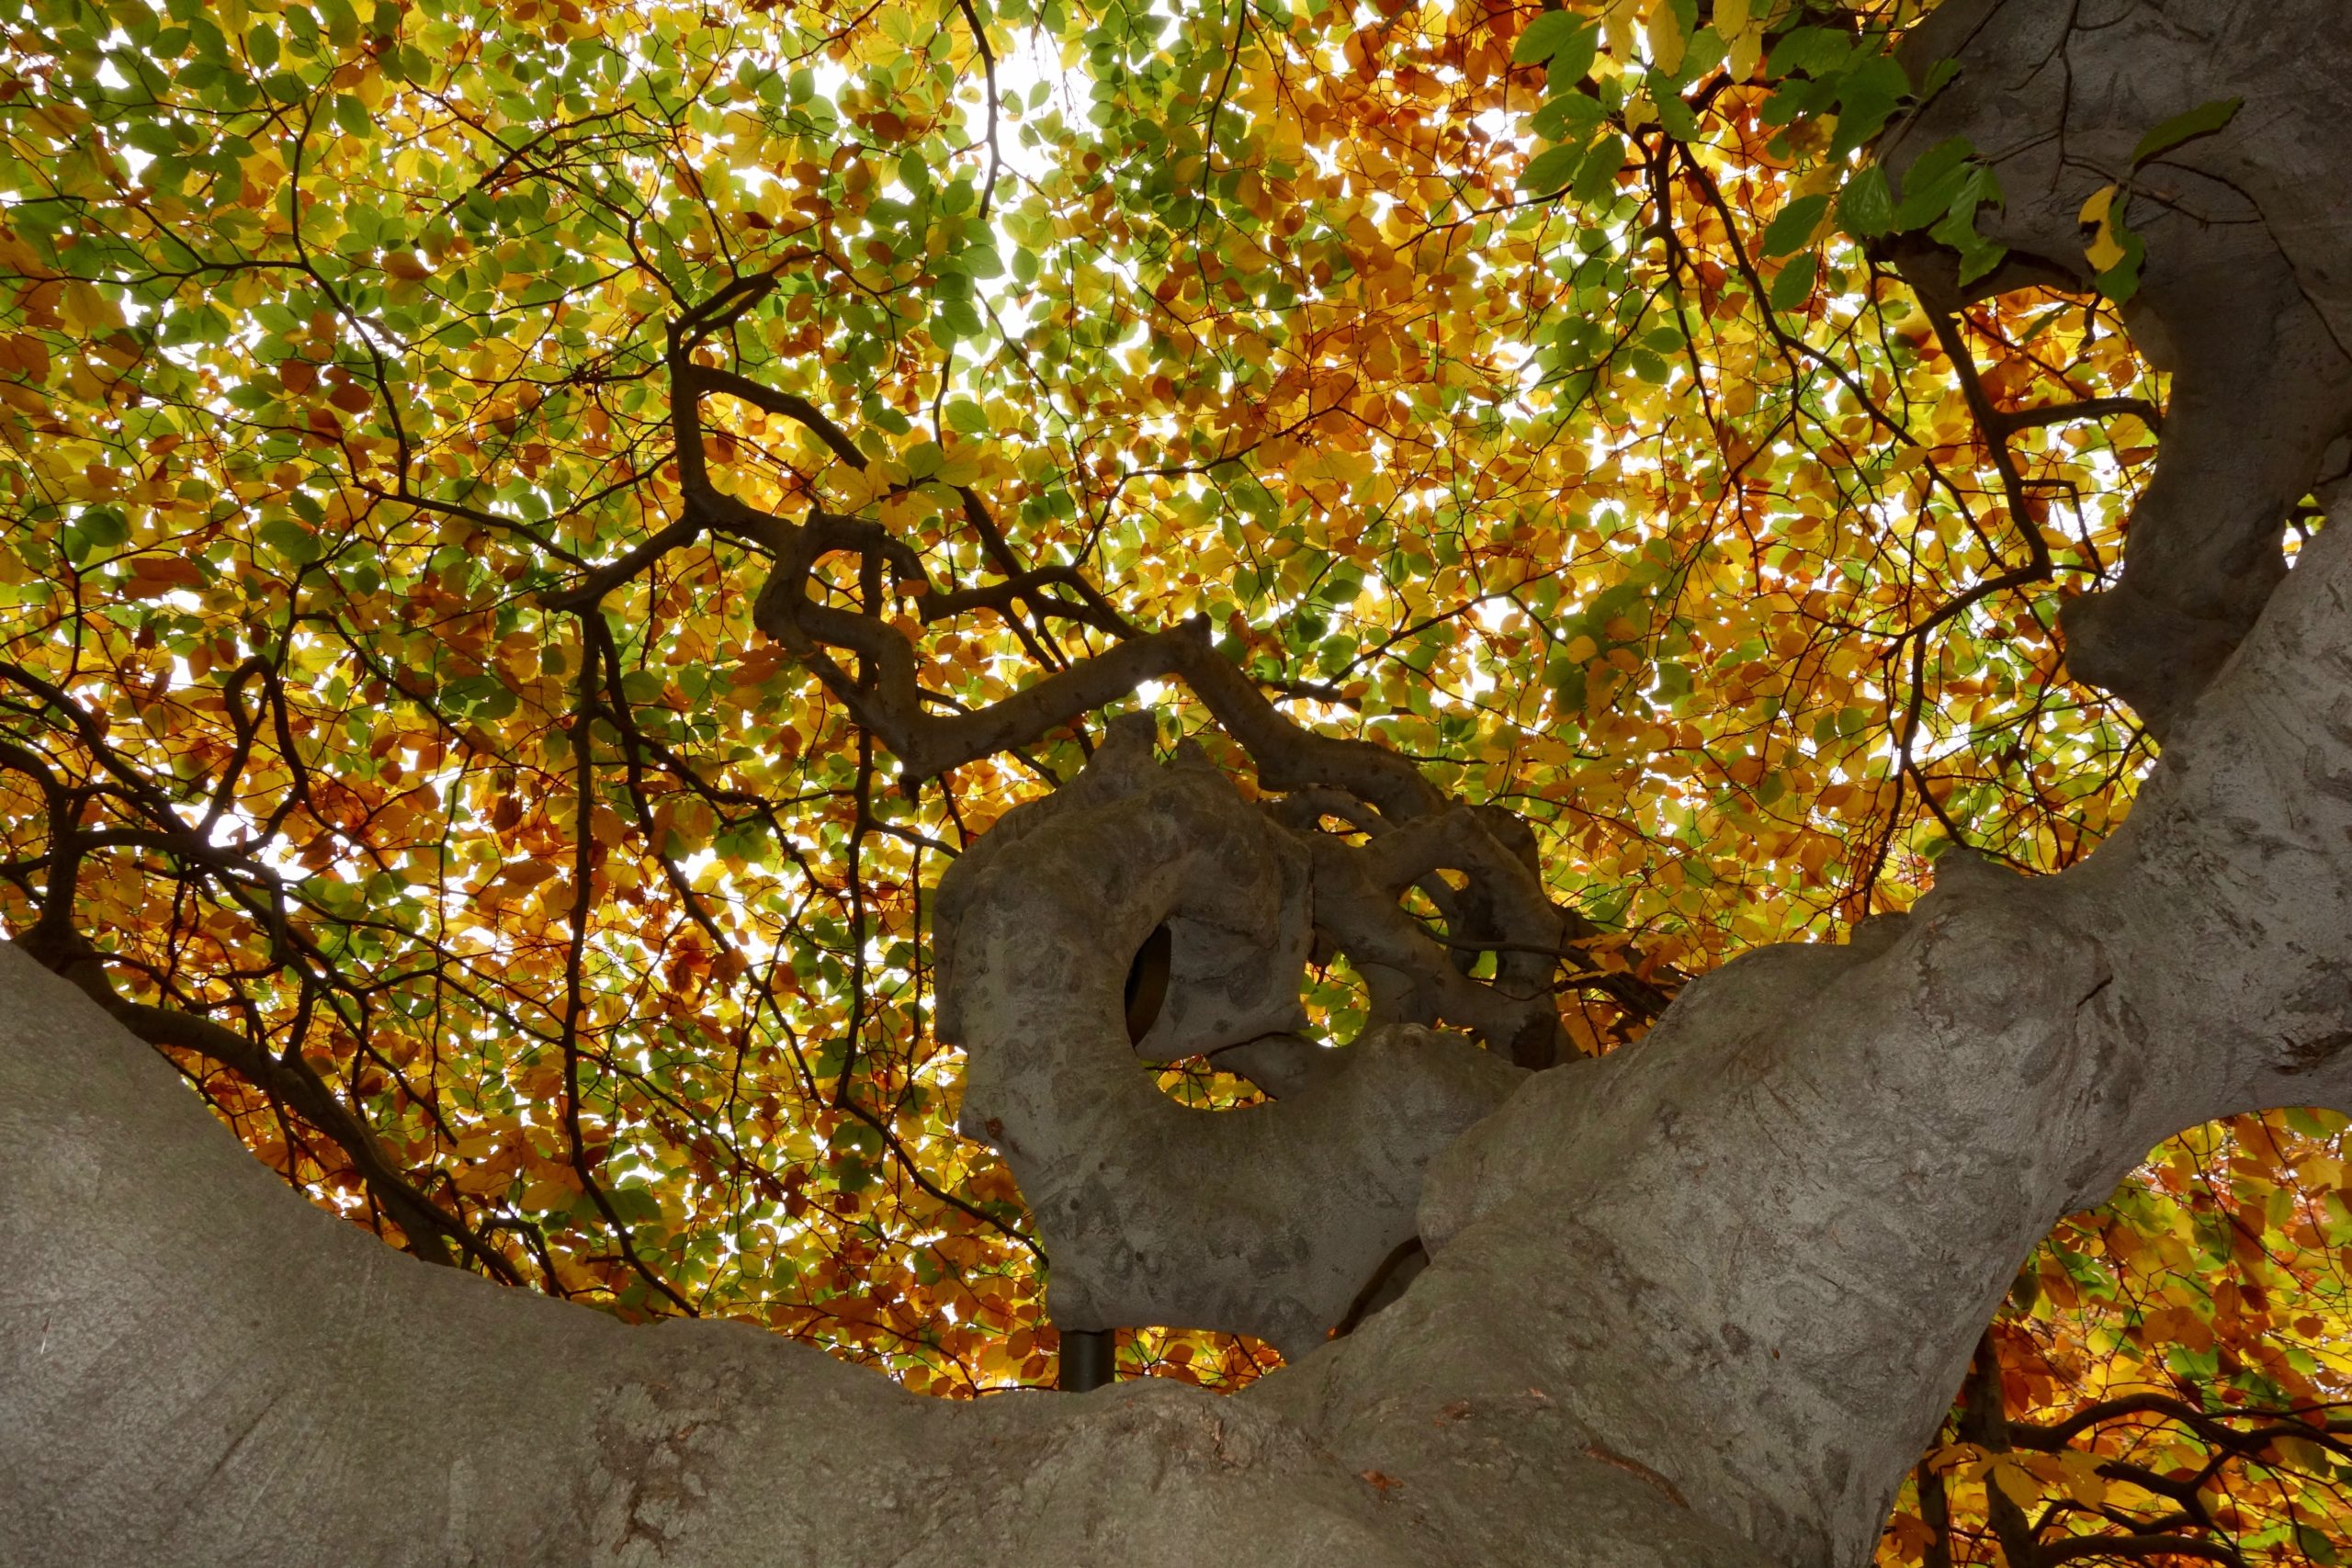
(1556, 431)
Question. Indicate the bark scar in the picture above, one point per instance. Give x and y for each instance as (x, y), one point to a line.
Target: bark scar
(1634, 1467)
(2309, 1056)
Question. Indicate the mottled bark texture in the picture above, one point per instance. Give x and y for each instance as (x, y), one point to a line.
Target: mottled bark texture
(1699, 1302)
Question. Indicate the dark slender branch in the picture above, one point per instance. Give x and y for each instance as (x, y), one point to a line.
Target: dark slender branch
(603, 579)
(1983, 1421)
(2210, 1425)
(583, 865)
(2132, 1548)
(2007, 421)
(1935, 1512)
(988, 65)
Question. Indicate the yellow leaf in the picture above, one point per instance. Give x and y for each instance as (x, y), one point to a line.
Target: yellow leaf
(83, 306)
(1667, 40)
(1746, 53)
(2102, 251)
(2016, 1481)
(2083, 1482)
(1955, 1457)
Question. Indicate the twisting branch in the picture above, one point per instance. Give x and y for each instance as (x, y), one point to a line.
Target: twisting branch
(890, 703)
(1503, 910)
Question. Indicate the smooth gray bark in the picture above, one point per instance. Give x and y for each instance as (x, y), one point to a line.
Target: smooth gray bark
(1268, 1220)
(1699, 1302)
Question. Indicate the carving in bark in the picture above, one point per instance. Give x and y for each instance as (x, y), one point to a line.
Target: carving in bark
(1698, 1303)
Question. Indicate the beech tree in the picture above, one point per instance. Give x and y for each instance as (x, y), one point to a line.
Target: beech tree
(1486, 746)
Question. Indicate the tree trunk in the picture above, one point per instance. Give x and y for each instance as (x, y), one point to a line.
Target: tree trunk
(1701, 1302)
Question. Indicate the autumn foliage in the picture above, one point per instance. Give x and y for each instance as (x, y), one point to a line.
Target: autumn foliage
(1529, 392)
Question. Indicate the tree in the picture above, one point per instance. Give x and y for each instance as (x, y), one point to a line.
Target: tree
(542, 530)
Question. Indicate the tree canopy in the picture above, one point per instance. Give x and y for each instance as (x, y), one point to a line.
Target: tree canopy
(525, 841)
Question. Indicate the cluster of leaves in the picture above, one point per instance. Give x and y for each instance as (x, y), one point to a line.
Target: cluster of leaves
(2167, 1379)
(1525, 390)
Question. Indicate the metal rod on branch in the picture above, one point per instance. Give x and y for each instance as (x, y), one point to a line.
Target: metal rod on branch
(1089, 1359)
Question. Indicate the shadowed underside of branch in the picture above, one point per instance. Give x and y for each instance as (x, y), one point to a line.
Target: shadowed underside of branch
(1701, 1300)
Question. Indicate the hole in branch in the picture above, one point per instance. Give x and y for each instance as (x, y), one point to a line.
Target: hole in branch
(1198, 1084)
(1337, 999)
(1147, 982)
(1197, 1356)
(1462, 903)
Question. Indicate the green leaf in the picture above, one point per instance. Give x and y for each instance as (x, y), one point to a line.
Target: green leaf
(1978, 257)
(966, 416)
(1599, 177)
(1957, 228)
(1793, 227)
(342, 22)
(1546, 35)
(1570, 117)
(2122, 281)
(2202, 120)
(1932, 182)
(289, 541)
(1551, 169)
(1816, 52)
(1866, 207)
(1794, 285)
(1674, 115)
(1570, 63)
(959, 315)
(1865, 101)
(104, 527)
